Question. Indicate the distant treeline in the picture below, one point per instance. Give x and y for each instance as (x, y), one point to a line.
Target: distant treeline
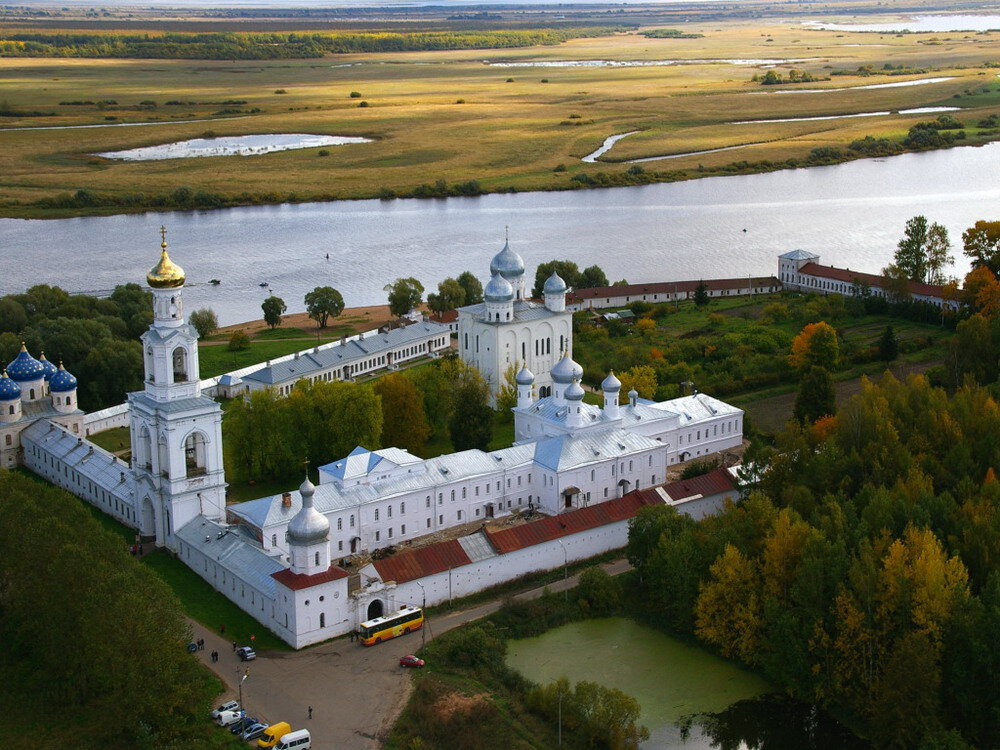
(670, 34)
(268, 46)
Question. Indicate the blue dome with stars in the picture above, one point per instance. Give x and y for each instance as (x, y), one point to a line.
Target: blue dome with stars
(9, 390)
(50, 369)
(62, 381)
(24, 367)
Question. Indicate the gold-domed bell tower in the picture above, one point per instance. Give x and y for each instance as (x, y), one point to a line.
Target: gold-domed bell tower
(176, 431)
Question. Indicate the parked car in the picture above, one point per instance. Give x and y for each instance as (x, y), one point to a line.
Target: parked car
(246, 653)
(410, 661)
(227, 706)
(253, 731)
(192, 647)
(242, 724)
(228, 718)
(298, 740)
(273, 733)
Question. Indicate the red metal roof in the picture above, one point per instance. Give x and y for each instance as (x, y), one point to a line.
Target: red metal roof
(448, 316)
(716, 482)
(296, 581)
(426, 561)
(670, 287)
(848, 276)
(571, 522)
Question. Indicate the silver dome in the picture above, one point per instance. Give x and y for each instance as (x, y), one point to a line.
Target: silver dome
(308, 526)
(507, 263)
(554, 285)
(611, 384)
(525, 376)
(574, 392)
(566, 370)
(498, 289)
(633, 395)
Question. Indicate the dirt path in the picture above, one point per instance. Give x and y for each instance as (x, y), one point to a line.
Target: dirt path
(356, 693)
(358, 318)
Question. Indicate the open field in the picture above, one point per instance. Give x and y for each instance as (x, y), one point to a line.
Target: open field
(446, 115)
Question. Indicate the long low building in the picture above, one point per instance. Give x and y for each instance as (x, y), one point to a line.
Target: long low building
(601, 297)
(384, 351)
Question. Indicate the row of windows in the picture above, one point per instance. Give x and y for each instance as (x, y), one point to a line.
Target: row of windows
(81, 486)
(727, 429)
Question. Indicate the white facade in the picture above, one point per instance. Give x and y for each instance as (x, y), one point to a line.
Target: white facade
(507, 330)
(655, 292)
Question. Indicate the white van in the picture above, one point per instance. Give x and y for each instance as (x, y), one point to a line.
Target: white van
(297, 740)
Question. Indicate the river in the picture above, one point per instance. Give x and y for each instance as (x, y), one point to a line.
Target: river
(851, 214)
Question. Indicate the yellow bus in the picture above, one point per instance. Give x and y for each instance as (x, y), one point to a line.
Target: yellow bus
(389, 626)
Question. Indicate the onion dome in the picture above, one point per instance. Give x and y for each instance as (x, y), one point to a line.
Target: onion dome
(498, 289)
(525, 376)
(554, 285)
(24, 367)
(574, 392)
(611, 384)
(62, 381)
(50, 369)
(308, 526)
(633, 395)
(9, 390)
(507, 263)
(166, 274)
(566, 370)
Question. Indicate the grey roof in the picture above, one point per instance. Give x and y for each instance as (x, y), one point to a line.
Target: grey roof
(361, 462)
(87, 459)
(172, 407)
(523, 312)
(314, 361)
(159, 335)
(232, 552)
(697, 408)
(549, 410)
(798, 255)
(229, 379)
(41, 409)
(498, 289)
(569, 451)
(477, 546)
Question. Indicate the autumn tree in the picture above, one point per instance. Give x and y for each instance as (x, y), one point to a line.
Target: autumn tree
(507, 393)
(816, 397)
(727, 612)
(404, 423)
(981, 243)
(816, 345)
(404, 295)
(645, 326)
(322, 303)
(641, 378)
(450, 294)
(274, 308)
(896, 284)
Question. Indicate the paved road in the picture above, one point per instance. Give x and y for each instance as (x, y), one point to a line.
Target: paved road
(356, 693)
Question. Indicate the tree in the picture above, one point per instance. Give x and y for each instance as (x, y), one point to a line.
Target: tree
(911, 253)
(473, 288)
(896, 284)
(238, 341)
(888, 345)
(816, 345)
(641, 378)
(981, 243)
(567, 270)
(701, 294)
(404, 423)
(450, 294)
(471, 423)
(645, 326)
(816, 397)
(322, 303)
(404, 295)
(273, 308)
(13, 318)
(592, 276)
(727, 613)
(938, 252)
(507, 394)
(204, 321)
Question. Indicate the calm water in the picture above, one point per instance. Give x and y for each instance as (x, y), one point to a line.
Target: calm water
(851, 214)
(236, 145)
(690, 699)
(920, 23)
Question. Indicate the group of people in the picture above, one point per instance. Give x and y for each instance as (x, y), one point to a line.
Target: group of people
(201, 647)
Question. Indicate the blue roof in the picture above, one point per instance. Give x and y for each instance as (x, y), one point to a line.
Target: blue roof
(24, 367)
(50, 369)
(9, 390)
(62, 381)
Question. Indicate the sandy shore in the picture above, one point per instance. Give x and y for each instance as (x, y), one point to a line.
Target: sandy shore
(358, 318)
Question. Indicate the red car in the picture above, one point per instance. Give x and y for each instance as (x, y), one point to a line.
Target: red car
(410, 661)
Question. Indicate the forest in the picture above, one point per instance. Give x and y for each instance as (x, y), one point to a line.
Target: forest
(273, 45)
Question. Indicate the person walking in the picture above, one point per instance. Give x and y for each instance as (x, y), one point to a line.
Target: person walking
(234, 645)
(310, 712)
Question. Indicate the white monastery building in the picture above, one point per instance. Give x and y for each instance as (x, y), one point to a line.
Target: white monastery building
(278, 557)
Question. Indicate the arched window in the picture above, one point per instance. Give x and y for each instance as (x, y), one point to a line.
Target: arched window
(322, 619)
(274, 540)
(69, 401)
(31, 395)
(180, 364)
(194, 454)
(317, 558)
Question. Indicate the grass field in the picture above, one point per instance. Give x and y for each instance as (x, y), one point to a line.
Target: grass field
(505, 134)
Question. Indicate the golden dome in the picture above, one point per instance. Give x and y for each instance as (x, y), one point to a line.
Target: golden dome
(166, 274)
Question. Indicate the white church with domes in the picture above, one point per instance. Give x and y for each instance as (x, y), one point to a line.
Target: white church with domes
(284, 558)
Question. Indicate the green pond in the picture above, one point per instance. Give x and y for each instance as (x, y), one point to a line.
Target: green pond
(671, 680)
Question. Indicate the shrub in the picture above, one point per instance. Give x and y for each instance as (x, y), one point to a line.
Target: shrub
(239, 341)
(280, 91)
(323, 152)
(460, 101)
(545, 80)
(362, 104)
(510, 80)
(355, 95)
(559, 168)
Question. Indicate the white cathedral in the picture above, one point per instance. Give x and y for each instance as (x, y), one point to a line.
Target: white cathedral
(277, 557)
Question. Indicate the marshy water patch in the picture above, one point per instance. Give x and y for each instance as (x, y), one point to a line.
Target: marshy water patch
(901, 84)
(918, 24)
(913, 111)
(610, 141)
(237, 145)
(688, 153)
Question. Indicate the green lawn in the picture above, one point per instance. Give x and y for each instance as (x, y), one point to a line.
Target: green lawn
(113, 440)
(216, 359)
(206, 605)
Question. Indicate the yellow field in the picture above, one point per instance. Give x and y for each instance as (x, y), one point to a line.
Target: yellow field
(504, 134)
